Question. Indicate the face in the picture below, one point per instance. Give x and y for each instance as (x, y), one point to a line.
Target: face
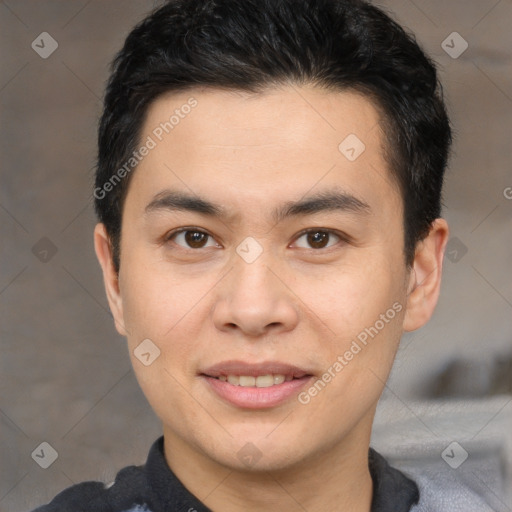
(262, 263)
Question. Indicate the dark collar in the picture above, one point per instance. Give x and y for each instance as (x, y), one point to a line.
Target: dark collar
(392, 490)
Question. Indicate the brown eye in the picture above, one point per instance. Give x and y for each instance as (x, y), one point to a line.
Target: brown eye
(190, 238)
(318, 239)
(195, 239)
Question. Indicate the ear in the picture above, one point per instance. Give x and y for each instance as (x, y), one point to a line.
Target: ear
(110, 278)
(425, 277)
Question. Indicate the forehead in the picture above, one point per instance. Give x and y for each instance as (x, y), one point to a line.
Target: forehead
(254, 147)
(276, 119)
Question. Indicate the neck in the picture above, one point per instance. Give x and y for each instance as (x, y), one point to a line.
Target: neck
(336, 479)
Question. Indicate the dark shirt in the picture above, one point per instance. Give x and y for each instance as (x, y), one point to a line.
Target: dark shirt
(153, 487)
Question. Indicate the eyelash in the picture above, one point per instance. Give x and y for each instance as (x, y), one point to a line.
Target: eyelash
(343, 238)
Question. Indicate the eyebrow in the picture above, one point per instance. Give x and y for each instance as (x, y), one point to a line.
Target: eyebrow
(328, 200)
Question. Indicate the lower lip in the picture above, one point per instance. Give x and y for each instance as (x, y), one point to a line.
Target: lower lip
(256, 398)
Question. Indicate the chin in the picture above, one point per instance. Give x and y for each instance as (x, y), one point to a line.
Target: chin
(253, 452)
(250, 458)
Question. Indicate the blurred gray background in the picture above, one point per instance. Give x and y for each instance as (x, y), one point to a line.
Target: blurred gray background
(65, 375)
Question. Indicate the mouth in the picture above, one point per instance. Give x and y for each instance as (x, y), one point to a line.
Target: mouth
(254, 386)
(240, 373)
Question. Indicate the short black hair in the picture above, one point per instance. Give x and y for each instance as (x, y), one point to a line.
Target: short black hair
(251, 45)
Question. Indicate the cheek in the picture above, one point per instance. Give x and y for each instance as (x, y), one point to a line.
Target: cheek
(360, 311)
(166, 311)
(155, 302)
(364, 316)
(348, 299)
(169, 309)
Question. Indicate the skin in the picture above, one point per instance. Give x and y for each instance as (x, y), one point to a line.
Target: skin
(298, 303)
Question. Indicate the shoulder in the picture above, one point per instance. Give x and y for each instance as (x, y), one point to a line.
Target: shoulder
(127, 494)
(445, 492)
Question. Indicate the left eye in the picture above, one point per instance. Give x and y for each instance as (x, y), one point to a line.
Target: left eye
(193, 238)
(317, 238)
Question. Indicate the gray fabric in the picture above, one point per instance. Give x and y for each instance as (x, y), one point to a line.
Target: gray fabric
(445, 493)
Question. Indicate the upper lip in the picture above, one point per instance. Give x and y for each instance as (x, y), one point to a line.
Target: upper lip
(255, 369)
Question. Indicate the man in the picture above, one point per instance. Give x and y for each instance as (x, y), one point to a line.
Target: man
(268, 189)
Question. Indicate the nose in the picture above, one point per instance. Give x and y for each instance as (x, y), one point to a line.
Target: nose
(255, 299)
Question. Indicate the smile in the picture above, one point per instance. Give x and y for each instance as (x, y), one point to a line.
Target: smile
(260, 381)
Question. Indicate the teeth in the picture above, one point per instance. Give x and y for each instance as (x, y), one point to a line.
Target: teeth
(279, 379)
(262, 381)
(246, 381)
(234, 379)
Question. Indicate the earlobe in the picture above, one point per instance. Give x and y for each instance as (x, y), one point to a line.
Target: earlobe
(110, 277)
(425, 277)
